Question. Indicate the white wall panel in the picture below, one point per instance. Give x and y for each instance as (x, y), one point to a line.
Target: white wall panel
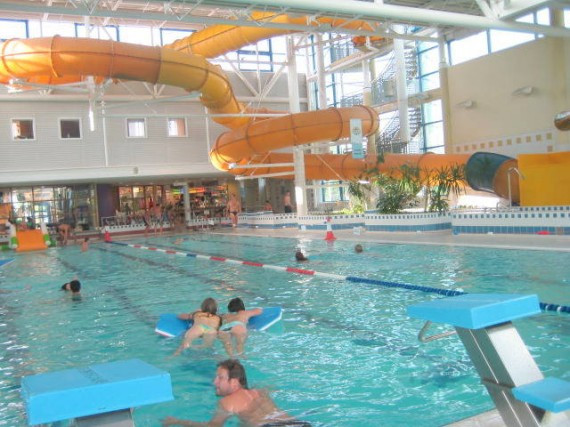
(82, 158)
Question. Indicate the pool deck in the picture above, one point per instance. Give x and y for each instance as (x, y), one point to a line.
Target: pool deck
(504, 241)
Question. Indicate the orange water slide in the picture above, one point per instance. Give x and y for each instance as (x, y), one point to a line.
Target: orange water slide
(57, 59)
(219, 39)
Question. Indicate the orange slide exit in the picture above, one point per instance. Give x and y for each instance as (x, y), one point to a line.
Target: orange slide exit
(30, 240)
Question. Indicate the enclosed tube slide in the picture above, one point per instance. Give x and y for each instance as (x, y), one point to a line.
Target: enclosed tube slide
(57, 60)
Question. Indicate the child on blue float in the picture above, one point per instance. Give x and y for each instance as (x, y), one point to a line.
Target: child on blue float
(234, 326)
(206, 325)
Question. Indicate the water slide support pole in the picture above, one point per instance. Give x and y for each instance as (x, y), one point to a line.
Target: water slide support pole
(322, 94)
(402, 91)
(298, 154)
(444, 85)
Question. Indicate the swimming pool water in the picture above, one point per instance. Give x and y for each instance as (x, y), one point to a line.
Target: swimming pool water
(345, 353)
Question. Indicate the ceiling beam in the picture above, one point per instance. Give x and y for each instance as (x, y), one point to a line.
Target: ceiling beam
(403, 14)
(346, 9)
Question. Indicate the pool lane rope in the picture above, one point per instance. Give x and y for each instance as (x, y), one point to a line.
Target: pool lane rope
(354, 279)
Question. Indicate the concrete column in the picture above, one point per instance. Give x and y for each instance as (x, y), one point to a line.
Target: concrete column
(444, 87)
(298, 153)
(186, 203)
(402, 90)
(367, 99)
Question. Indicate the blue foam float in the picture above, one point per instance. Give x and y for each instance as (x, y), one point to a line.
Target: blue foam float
(169, 325)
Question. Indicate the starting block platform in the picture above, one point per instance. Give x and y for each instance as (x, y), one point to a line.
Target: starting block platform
(515, 383)
(96, 389)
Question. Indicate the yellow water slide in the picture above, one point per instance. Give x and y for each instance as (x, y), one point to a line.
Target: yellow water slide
(57, 60)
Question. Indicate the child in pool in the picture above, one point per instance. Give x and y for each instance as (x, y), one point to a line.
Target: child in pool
(206, 325)
(234, 327)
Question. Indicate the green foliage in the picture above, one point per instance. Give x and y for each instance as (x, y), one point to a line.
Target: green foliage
(445, 181)
(395, 194)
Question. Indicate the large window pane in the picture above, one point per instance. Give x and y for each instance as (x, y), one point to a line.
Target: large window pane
(429, 61)
(504, 39)
(432, 111)
(137, 35)
(168, 35)
(429, 82)
(64, 29)
(433, 135)
(110, 32)
(469, 48)
(13, 29)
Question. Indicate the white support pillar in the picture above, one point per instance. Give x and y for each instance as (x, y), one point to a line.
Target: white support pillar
(444, 86)
(367, 100)
(321, 77)
(187, 217)
(402, 90)
(298, 153)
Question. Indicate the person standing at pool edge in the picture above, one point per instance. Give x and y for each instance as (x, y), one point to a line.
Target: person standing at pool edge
(253, 407)
(234, 207)
(287, 202)
(235, 326)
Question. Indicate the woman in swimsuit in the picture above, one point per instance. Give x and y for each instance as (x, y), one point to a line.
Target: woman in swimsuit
(206, 325)
(235, 325)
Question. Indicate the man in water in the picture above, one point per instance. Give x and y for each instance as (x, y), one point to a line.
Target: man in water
(253, 407)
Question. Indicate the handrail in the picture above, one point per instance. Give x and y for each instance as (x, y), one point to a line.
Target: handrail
(432, 337)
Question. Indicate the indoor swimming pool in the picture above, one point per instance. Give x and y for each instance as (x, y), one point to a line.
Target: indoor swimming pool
(345, 354)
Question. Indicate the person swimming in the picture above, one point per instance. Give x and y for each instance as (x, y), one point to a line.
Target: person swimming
(206, 325)
(299, 256)
(358, 248)
(234, 326)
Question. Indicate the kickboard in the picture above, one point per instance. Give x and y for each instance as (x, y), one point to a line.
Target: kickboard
(169, 325)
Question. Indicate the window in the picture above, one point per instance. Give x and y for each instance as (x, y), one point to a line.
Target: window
(108, 32)
(432, 128)
(138, 35)
(169, 35)
(333, 191)
(13, 29)
(256, 57)
(177, 127)
(70, 128)
(136, 128)
(23, 129)
(468, 48)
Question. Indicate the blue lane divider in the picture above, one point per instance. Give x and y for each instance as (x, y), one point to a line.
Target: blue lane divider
(354, 279)
(446, 292)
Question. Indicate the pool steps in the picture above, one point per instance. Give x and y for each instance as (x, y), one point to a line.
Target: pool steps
(99, 395)
(520, 392)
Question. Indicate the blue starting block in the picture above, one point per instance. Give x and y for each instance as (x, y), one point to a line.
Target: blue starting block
(96, 389)
(515, 383)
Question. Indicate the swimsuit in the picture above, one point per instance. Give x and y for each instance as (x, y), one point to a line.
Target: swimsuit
(230, 325)
(206, 329)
